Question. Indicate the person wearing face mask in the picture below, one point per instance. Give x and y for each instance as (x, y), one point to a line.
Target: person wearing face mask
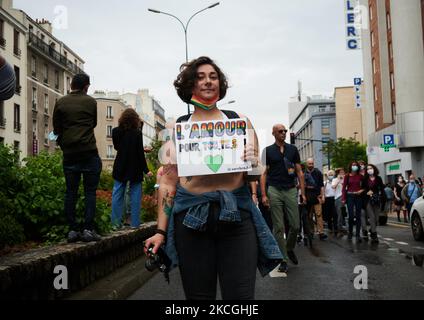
(410, 193)
(352, 196)
(209, 225)
(364, 213)
(374, 200)
(329, 206)
(399, 203)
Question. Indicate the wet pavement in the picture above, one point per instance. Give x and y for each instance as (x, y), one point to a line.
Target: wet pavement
(326, 272)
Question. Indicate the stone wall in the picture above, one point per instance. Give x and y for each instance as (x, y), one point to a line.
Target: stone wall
(30, 275)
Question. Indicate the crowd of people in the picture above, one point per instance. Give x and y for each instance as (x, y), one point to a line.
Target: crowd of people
(231, 225)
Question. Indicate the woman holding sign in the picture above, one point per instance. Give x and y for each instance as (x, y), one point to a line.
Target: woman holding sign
(210, 224)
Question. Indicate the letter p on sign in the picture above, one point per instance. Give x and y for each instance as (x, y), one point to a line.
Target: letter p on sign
(389, 139)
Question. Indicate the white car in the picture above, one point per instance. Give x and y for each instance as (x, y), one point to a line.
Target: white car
(417, 219)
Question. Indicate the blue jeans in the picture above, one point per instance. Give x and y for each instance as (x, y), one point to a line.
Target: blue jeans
(90, 170)
(118, 203)
(354, 208)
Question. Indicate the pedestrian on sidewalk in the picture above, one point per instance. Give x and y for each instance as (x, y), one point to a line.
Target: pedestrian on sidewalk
(365, 219)
(352, 196)
(314, 189)
(410, 193)
(375, 199)
(74, 120)
(211, 225)
(399, 203)
(129, 166)
(282, 168)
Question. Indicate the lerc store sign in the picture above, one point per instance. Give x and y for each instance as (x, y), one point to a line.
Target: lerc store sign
(354, 18)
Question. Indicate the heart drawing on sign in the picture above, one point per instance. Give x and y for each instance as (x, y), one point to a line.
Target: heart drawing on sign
(214, 163)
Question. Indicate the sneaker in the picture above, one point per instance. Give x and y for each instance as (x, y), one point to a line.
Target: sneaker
(73, 236)
(323, 236)
(292, 257)
(283, 267)
(88, 236)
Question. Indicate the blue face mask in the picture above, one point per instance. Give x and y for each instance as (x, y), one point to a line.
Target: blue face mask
(355, 168)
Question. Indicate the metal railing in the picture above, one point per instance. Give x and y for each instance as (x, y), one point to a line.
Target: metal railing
(2, 122)
(17, 127)
(40, 45)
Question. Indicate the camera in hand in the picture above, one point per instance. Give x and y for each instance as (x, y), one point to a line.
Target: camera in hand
(160, 260)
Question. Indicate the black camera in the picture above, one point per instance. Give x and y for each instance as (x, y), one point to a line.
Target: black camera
(160, 261)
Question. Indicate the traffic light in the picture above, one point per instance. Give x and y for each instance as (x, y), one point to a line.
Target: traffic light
(292, 138)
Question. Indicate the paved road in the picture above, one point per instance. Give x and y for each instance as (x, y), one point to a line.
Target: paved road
(327, 272)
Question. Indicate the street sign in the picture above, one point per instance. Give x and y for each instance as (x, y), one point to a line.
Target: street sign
(357, 82)
(353, 29)
(389, 139)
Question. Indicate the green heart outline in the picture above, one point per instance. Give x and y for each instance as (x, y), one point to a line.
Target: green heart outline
(214, 163)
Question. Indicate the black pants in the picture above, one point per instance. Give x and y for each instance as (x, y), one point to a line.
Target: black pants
(90, 170)
(226, 250)
(330, 212)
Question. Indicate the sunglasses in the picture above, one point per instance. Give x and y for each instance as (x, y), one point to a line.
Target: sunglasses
(283, 131)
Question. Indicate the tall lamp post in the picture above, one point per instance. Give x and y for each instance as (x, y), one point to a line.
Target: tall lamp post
(185, 27)
(354, 137)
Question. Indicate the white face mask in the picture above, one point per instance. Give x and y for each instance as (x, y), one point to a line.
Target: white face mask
(371, 172)
(330, 178)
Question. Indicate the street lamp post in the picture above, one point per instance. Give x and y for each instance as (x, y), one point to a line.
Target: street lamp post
(354, 148)
(185, 27)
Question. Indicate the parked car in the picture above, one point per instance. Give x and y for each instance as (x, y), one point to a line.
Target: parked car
(417, 219)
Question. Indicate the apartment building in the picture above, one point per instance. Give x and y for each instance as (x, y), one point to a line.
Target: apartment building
(393, 58)
(13, 115)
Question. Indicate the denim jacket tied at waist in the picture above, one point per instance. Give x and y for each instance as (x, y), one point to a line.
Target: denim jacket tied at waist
(197, 215)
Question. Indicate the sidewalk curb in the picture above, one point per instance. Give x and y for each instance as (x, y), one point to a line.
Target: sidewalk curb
(119, 285)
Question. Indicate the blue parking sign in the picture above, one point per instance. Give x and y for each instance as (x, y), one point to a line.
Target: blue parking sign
(389, 139)
(358, 81)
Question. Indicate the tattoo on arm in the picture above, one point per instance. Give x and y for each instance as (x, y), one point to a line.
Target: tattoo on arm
(188, 179)
(168, 203)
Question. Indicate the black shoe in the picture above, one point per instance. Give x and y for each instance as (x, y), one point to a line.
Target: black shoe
(323, 236)
(375, 241)
(358, 239)
(350, 236)
(88, 236)
(73, 236)
(283, 267)
(292, 257)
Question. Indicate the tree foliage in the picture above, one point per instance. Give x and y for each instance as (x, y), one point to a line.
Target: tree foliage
(344, 151)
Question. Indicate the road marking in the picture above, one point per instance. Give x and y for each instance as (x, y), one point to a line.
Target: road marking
(389, 239)
(275, 274)
(402, 243)
(397, 225)
(419, 248)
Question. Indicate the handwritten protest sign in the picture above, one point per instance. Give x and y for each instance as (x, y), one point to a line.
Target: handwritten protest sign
(211, 147)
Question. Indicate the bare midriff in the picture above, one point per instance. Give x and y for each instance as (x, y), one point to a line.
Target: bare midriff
(210, 183)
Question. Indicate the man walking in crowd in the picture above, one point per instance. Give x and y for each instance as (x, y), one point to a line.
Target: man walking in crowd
(329, 205)
(315, 195)
(282, 168)
(7, 80)
(74, 120)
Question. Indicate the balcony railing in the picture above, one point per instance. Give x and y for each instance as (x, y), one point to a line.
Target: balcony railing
(17, 51)
(18, 89)
(34, 105)
(34, 74)
(40, 45)
(110, 156)
(2, 42)
(17, 127)
(2, 123)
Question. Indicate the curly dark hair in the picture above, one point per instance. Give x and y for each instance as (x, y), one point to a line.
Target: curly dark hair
(188, 73)
(130, 120)
(376, 171)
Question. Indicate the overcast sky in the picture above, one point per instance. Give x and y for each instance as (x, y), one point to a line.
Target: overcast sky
(264, 47)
